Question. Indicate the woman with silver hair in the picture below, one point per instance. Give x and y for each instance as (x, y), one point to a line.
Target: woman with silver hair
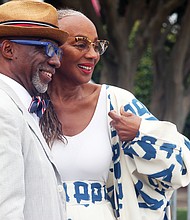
(116, 160)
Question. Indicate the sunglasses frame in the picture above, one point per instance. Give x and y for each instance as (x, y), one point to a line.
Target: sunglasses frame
(58, 51)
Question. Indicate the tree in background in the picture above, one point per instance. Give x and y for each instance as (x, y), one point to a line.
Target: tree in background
(135, 26)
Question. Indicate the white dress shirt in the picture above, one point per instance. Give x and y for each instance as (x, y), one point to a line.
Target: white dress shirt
(21, 92)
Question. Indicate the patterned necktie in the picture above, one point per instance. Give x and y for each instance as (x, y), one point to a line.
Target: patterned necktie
(38, 106)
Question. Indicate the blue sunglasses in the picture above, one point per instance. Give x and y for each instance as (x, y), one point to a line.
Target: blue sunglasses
(50, 48)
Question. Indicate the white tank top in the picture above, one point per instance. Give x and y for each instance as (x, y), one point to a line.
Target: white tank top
(87, 155)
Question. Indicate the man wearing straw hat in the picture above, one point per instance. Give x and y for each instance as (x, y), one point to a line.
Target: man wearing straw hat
(30, 186)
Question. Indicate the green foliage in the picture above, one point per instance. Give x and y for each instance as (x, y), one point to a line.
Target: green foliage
(171, 37)
(144, 78)
(143, 85)
(181, 214)
(134, 30)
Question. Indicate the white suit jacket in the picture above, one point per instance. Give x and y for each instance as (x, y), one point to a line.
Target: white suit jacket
(30, 186)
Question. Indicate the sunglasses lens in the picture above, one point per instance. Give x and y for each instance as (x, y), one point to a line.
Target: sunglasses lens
(51, 50)
(59, 53)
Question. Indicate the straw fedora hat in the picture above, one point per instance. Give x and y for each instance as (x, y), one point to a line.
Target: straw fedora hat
(26, 18)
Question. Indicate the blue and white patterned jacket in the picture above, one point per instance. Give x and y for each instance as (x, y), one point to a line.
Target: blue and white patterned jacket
(147, 170)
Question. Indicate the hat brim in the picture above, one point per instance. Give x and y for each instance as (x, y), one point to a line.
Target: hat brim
(48, 33)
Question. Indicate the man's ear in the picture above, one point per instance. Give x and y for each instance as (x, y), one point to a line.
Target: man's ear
(7, 49)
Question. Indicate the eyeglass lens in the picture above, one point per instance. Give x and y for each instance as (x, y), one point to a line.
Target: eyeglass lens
(99, 46)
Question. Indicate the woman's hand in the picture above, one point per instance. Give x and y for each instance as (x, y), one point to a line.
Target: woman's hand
(127, 124)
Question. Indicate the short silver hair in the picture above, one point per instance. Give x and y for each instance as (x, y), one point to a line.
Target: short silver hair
(68, 12)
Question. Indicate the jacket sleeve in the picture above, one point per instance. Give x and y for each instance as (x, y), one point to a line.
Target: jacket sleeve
(159, 154)
(159, 151)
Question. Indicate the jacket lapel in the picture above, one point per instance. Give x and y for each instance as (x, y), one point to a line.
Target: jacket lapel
(28, 117)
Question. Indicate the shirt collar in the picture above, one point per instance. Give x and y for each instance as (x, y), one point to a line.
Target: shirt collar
(21, 92)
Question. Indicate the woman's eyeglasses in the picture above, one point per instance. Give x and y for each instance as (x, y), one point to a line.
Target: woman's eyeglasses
(83, 44)
(50, 48)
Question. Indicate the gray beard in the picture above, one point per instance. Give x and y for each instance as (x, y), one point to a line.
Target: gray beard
(40, 87)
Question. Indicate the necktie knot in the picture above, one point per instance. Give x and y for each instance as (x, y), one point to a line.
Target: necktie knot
(38, 106)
